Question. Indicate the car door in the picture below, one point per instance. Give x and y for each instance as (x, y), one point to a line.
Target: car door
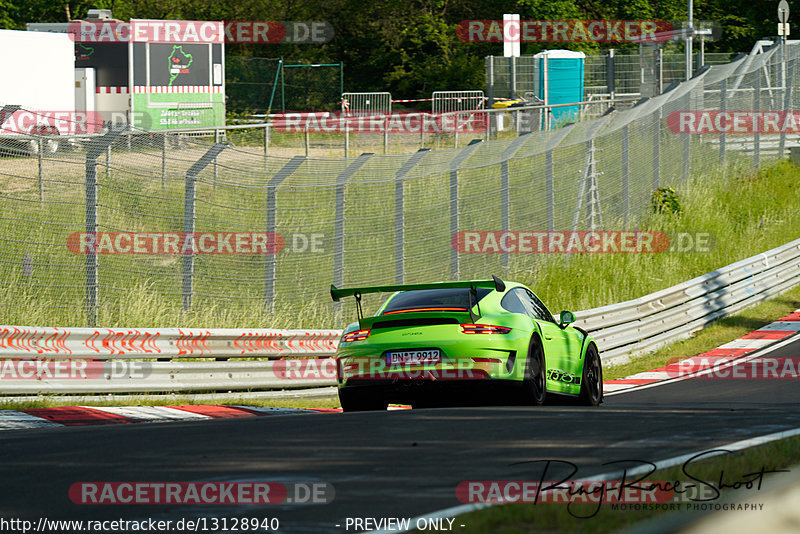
(561, 346)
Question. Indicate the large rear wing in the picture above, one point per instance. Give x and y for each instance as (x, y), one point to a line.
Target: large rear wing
(337, 293)
(495, 283)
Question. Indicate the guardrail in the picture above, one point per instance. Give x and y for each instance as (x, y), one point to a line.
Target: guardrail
(122, 360)
(114, 360)
(644, 324)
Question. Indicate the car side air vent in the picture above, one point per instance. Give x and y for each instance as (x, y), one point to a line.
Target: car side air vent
(399, 323)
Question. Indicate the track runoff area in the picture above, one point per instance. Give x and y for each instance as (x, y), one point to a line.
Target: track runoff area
(397, 470)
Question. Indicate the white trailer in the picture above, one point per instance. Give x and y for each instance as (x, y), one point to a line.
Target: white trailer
(37, 87)
(38, 70)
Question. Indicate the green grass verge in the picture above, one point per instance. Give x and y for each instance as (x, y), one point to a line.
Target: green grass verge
(556, 518)
(718, 333)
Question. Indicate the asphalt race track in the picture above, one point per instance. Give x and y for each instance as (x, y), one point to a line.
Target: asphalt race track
(401, 463)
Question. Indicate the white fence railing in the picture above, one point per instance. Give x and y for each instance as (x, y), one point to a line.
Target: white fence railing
(104, 360)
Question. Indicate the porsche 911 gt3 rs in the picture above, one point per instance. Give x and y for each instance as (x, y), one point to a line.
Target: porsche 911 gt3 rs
(474, 342)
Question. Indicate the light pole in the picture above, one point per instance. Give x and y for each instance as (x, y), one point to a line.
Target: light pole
(783, 31)
(689, 36)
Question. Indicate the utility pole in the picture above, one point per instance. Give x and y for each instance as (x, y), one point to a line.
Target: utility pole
(783, 32)
(689, 35)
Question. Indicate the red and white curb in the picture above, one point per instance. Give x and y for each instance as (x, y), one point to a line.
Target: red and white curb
(101, 415)
(758, 339)
(110, 415)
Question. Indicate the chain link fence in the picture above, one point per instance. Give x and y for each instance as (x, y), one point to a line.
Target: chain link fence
(514, 77)
(172, 223)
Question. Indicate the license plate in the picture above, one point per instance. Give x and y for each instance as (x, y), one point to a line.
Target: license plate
(414, 356)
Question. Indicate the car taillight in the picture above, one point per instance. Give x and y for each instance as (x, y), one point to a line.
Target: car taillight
(358, 335)
(483, 329)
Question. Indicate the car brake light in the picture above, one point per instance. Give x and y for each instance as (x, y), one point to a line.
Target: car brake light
(358, 335)
(484, 329)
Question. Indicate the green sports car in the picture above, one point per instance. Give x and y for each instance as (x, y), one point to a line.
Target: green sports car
(474, 342)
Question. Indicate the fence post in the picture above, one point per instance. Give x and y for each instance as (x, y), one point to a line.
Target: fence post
(307, 141)
(626, 162)
(656, 148)
(40, 157)
(266, 144)
(216, 169)
(611, 74)
(490, 96)
(549, 171)
(163, 159)
(108, 161)
(96, 147)
(399, 212)
(346, 139)
(272, 228)
(188, 220)
(723, 101)
(549, 176)
(338, 223)
(787, 101)
(386, 135)
(756, 135)
(513, 75)
(505, 158)
(687, 142)
(455, 164)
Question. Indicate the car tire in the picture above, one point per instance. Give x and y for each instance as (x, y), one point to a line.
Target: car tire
(592, 378)
(534, 389)
(355, 401)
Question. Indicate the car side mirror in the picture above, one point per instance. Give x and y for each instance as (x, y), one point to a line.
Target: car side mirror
(566, 318)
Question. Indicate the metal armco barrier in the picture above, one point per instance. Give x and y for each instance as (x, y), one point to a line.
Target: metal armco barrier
(21, 342)
(132, 360)
(635, 326)
(135, 376)
(120, 360)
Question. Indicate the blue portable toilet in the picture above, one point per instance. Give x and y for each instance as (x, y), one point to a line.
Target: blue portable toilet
(564, 80)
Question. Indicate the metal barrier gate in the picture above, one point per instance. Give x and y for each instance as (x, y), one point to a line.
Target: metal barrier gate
(447, 101)
(366, 104)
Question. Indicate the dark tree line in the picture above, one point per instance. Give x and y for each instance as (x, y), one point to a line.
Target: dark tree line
(408, 47)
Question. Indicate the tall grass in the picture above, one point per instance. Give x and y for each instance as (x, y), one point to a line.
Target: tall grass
(747, 212)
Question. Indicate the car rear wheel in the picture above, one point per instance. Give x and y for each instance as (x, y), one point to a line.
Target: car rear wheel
(592, 378)
(533, 385)
(356, 401)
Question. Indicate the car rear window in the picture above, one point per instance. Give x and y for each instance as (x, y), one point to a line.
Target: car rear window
(424, 299)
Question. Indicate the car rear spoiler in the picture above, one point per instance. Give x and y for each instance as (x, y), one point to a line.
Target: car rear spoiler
(495, 283)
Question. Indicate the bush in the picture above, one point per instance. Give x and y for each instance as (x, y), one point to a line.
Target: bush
(665, 200)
